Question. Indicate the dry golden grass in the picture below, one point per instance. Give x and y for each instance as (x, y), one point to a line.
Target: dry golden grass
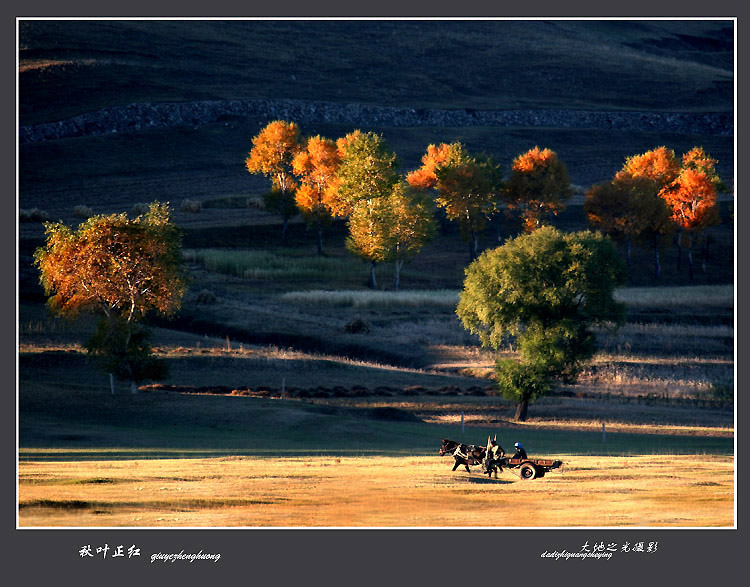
(637, 491)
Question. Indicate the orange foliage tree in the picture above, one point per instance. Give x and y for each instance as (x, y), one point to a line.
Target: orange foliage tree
(274, 149)
(121, 269)
(539, 185)
(316, 166)
(693, 196)
(659, 165)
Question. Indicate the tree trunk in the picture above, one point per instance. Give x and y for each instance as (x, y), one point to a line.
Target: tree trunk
(690, 256)
(112, 383)
(373, 283)
(628, 251)
(133, 387)
(657, 264)
(473, 245)
(443, 222)
(679, 251)
(706, 243)
(522, 410)
(284, 227)
(320, 239)
(398, 264)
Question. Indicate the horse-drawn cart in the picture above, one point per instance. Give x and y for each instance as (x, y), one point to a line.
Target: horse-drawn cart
(531, 468)
(470, 454)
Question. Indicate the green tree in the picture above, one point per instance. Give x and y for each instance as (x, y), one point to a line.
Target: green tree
(365, 178)
(544, 291)
(468, 187)
(121, 269)
(369, 236)
(412, 226)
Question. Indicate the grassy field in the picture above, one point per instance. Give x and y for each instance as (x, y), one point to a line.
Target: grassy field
(672, 491)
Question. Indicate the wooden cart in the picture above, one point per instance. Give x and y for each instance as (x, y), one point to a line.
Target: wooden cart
(531, 468)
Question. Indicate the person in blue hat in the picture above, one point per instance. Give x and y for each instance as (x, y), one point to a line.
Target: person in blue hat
(520, 452)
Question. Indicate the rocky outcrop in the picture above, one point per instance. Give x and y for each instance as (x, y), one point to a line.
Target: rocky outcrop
(136, 117)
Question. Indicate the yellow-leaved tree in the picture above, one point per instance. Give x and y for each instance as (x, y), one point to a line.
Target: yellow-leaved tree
(391, 229)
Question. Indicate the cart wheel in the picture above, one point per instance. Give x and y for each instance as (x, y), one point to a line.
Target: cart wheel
(528, 471)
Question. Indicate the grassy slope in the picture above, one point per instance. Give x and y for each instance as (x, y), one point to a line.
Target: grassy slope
(483, 65)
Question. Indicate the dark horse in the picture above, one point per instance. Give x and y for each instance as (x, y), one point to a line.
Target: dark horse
(465, 454)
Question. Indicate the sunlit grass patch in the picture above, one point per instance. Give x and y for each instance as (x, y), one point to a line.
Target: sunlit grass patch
(383, 491)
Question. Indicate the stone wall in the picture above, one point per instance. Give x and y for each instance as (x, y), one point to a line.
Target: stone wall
(164, 115)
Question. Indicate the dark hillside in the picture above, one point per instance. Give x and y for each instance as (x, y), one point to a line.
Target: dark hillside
(72, 67)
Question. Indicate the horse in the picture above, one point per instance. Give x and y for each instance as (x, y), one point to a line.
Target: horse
(464, 454)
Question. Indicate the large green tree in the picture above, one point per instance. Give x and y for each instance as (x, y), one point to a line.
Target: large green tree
(544, 291)
(120, 269)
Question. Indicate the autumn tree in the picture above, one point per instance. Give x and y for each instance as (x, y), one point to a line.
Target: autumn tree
(425, 179)
(316, 166)
(693, 196)
(366, 176)
(274, 149)
(467, 186)
(629, 209)
(539, 186)
(659, 165)
(543, 291)
(120, 269)
(368, 170)
(391, 229)
(412, 225)
(644, 176)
